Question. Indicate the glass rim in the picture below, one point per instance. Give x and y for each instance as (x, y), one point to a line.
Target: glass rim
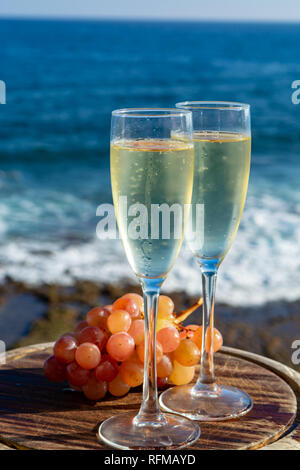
(218, 105)
(151, 112)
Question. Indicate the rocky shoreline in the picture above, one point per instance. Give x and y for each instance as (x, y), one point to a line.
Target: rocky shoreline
(35, 314)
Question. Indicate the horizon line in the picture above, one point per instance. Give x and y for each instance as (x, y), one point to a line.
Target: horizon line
(147, 19)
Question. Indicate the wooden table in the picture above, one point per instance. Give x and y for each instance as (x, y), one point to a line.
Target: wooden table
(37, 414)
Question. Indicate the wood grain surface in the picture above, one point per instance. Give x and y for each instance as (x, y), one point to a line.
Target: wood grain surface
(291, 440)
(37, 414)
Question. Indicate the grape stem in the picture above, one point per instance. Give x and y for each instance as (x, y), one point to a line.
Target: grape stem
(184, 314)
(150, 414)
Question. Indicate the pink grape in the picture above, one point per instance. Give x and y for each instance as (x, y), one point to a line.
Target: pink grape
(169, 338)
(118, 387)
(120, 346)
(137, 298)
(93, 334)
(107, 369)
(119, 320)
(81, 325)
(76, 375)
(132, 373)
(98, 317)
(137, 331)
(165, 306)
(162, 382)
(187, 353)
(181, 375)
(217, 340)
(88, 356)
(65, 348)
(128, 304)
(164, 367)
(141, 351)
(94, 390)
(54, 370)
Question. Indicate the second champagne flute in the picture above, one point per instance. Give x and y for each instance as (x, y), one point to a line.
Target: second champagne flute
(222, 162)
(150, 169)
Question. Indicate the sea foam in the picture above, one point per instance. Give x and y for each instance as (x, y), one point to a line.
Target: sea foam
(263, 264)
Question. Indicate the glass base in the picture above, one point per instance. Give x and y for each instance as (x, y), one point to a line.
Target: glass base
(220, 404)
(120, 432)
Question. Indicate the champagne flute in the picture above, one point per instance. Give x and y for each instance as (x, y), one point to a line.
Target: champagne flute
(222, 140)
(150, 168)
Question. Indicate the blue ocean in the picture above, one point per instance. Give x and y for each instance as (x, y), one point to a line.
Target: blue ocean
(64, 78)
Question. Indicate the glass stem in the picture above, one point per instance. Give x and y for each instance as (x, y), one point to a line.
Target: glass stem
(206, 380)
(150, 414)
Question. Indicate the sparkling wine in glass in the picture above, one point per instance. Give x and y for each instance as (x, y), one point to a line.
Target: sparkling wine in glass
(222, 142)
(152, 166)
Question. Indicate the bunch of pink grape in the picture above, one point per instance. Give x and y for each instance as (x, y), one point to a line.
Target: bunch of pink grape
(106, 352)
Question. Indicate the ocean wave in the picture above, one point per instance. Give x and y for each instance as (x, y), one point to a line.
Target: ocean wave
(263, 264)
(55, 145)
